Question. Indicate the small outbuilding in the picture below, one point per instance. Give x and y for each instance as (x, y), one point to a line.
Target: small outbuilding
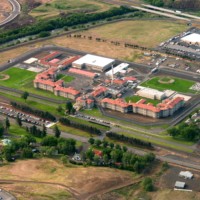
(186, 174)
(179, 185)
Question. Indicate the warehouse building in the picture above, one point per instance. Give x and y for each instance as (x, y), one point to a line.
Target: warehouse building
(117, 69)
(93, 62)
(193, 38)
(151, 93)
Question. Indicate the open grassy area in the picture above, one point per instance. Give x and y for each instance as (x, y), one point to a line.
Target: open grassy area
(137, 98)
(73, 130)
(179, 85)
(35, 103)
(146, 33)
(55, 7)
(22, 79)
(82, 121)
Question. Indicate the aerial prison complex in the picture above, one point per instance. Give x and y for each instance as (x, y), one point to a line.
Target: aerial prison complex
(48, 80)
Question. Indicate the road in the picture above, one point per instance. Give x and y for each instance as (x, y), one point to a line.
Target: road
(161, 13)
(16, 9)
(6, 196)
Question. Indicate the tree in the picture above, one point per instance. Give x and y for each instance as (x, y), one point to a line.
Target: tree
(27, 153)
(105, 158)
(97, 142)
(147, 184)
(69, 107)
(44, 131)
(1, 130)
(59, 109)
(49, 141)
(89, 154)
(57, 131)
(25, 95)
(91, 141)
(7, 123)
(19, 121)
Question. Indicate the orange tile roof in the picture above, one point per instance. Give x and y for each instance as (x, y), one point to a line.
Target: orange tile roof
(118, 102)
(98, 91)
(130, 78)
(69, 90)
(82, 72)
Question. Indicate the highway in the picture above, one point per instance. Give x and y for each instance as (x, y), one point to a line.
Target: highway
(161, 13)
(16, 9)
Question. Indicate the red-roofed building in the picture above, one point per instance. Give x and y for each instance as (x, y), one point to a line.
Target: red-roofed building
(46, 81)
(82, 72)
(98, 153)
(166, 108)
(99, 92)
(85, 102)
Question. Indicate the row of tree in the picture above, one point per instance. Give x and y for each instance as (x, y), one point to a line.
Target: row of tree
(129, 140)
(188, 132)
(90, 129)
(50, 145)
(118, 157)
(45, 26)
(45, 115)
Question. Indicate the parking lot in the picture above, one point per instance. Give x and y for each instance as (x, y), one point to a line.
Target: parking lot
(10, 112)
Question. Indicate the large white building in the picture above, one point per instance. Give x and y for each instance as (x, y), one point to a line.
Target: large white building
(117, 69)
(93, 62)
(193, 38)
(151, 93)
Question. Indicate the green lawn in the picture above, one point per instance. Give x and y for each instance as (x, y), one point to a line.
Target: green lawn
(35, 103)
(137, 98)
(22, 79)
(73, 131)
(179, 85)
(18, 77)
(67, 78)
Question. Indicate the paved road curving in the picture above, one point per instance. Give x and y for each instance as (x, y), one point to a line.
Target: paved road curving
(16, 9)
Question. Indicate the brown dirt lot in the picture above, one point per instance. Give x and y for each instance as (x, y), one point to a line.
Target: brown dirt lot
(5, 9)
(83, 181)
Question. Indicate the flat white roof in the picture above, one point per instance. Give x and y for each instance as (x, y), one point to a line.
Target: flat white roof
(180, 184)
(117, 69)
(193, 38)
(94, 60)
(30, 60)
(151, 91)
(186, 174)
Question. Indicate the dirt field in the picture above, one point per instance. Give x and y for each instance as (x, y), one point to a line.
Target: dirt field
(81, 181)
(92, 46)
(5, 9)
(147, 33)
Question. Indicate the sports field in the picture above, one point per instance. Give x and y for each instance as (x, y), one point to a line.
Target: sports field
(179, 85)
(55, 7)
(147, 33)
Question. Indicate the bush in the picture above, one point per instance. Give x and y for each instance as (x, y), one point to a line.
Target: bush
(147, 184)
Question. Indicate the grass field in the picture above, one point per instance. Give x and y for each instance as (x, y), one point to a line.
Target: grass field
(142, 32)
(137, 98)
(54, 7)
(179, 85)
(22, 79)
